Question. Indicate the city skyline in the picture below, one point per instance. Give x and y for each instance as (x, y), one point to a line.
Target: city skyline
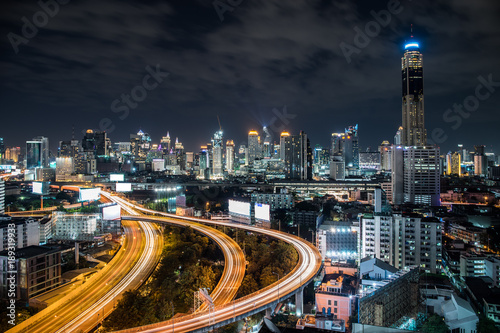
(298, 73)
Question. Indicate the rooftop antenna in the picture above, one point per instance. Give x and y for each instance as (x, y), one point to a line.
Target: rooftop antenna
(220, 127)
(411, 30)
(73, 132)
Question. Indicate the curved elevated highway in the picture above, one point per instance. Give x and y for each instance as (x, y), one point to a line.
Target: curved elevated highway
(308, 266)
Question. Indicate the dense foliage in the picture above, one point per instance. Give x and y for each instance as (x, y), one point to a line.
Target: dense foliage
(189, 261)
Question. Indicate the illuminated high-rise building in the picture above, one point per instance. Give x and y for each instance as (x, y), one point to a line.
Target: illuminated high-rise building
(254, 146)
(217, 152)
(267, 145)
(230, 156)
(283, 136)
(165, 143)
(385, 156)
(453, 163)
(415, 175)
(414, 133)
(12, 154)
(37, 153)
(298, 157)
(2, 149)
(95, 142)
(480, 161)
(345, 148)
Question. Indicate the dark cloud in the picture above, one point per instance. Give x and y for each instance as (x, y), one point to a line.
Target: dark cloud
(264, 55)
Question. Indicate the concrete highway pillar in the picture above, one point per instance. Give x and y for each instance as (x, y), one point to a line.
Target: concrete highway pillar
(299, 302)
(269, 313)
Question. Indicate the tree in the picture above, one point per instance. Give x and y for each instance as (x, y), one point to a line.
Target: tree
(435, 324)
(486, 325)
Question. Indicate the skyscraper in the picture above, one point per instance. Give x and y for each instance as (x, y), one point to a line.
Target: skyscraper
(298, 157)
(95, 142)
(230, 156)
(254, 147)
(217, 152)
(165, 143)
(37, 153)
(283, 136)
(415, 166)
(414, 133)
(2, 149)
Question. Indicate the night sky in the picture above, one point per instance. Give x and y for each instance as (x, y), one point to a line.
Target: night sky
(264, 55)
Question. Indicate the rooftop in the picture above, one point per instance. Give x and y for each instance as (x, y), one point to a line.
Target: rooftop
(30, 251)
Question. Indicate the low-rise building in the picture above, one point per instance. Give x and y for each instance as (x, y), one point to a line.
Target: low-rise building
(30, 271)
(76, 226)
(275, 200)
(23, 231)
(335, 296)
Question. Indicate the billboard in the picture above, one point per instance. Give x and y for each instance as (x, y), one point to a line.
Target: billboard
(123, 187)
(41, 188)
(116, 177)
(239, 207)
(90, 194)
(112, 212)
(262, 212)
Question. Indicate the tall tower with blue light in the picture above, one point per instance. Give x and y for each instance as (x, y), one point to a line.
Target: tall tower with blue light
(414, 133)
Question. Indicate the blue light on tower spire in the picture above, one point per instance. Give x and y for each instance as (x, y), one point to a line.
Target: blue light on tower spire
(412, 44)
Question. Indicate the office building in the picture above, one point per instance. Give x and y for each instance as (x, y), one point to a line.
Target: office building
(26, 231)
(76, 227)
(275, 200)
(230, 157)
(454, 163)
(385, 156)
(12, 154)
(267, 144)
(166, 143)
(283, 137)
(298, 157)
(413, 133)
(140, 144)
(480, 161)
(254, 146)
(37, 269)
(95, 142)
(415, 175)
(217, 153)
(37, 153)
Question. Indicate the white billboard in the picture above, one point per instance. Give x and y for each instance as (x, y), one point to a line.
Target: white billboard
(41, 188)
(262, 212)
(90, 194)
(123, 187)
(239, 207)
(112, 212)
(116, 177)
